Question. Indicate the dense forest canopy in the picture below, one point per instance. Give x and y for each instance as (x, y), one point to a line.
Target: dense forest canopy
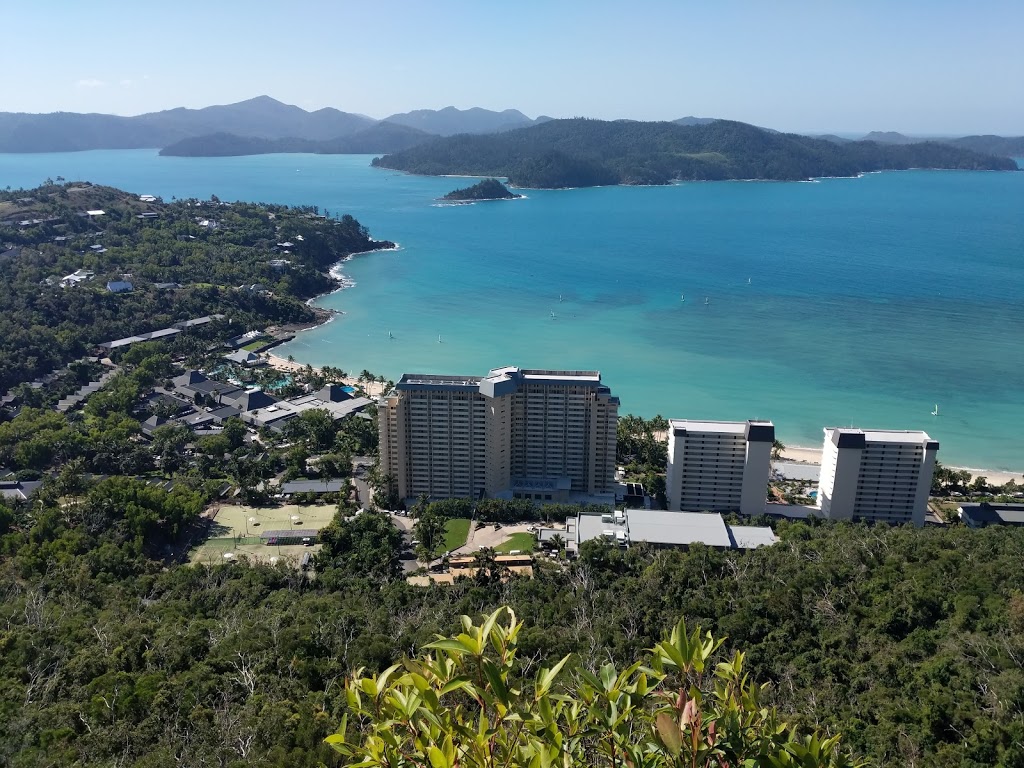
(206, 248)
(579, 153)
(908, 642)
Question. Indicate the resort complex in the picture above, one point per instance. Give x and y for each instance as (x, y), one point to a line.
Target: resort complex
(550, 436)
(517, 433)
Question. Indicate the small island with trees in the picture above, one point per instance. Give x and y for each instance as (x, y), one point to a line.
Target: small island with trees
(488, 189)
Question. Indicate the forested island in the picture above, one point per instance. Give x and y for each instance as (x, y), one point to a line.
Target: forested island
(255, 263)
(582, 153)
(488, 189)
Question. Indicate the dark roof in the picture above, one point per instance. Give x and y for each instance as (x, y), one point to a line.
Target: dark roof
(19, 489)
(224, 412)
(249, 401)
(984, 513)
(333, 393)
(313, 486)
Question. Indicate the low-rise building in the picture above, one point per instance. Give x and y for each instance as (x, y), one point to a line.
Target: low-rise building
(661, 528)
(986, 513)
(120, 286)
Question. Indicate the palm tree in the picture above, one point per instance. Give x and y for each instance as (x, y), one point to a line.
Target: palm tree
(557, 542)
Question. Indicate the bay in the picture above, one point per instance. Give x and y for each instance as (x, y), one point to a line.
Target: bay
(836, 302)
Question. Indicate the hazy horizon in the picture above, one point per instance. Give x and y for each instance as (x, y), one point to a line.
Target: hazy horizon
(921, 68)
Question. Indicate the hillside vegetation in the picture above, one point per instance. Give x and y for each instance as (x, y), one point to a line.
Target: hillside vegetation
(44, 325)
(580, 153)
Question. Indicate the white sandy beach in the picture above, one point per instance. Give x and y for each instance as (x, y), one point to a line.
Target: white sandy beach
(372, 389)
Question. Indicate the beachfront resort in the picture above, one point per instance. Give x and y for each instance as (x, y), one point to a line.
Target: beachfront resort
(550, 436)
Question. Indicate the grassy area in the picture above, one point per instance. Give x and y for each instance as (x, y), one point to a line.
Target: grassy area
(523, 542)
(232, 532)
(456, 531)
(260, 343)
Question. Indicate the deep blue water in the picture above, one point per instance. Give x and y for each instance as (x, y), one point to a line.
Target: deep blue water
(869, 300)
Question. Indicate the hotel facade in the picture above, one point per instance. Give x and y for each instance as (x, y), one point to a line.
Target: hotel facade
(877, 475)
(537, 434)
(718, 466)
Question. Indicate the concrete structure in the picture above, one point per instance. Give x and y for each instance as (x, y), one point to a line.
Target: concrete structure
(877, 475)
(985, 513)
(534, 434)
(719, 466)
(660, 528)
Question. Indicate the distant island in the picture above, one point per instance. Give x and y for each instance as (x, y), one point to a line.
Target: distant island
(586, 153)
(488, 189)
(381, 137)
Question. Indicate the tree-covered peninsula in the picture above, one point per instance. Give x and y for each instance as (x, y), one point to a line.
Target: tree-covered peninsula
(488, 189)
(583, 153)
(61, 244)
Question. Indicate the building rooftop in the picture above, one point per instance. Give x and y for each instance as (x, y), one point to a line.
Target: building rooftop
(677, 528)
(908, 436)
(328, 485)
(985, 513)
(751, 536)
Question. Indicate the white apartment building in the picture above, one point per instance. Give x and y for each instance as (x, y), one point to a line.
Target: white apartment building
(879, 475)
(534, 434)
(719, 466)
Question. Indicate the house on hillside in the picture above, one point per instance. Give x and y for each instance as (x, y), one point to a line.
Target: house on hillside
(120, 286)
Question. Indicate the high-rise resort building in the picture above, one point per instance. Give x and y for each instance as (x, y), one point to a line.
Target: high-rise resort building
(719, 466)
(881, 475)
(535, 434)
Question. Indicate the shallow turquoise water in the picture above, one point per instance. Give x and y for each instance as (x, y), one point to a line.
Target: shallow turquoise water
(869, 300)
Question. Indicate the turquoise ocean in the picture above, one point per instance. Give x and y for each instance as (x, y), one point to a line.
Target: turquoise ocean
(860, 301)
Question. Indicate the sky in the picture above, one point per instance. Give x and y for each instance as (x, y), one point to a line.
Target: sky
(915, 66)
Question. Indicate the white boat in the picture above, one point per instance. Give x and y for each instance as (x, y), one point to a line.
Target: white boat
(439, 338)
(391, 335)
(553, 316)
(706, 301)
(559, 297)
(936, 411)
(682, 297)
(748, 281)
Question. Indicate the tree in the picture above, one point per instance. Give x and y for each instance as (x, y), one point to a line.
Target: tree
(429, 529)
(778, 448)
(462, 704)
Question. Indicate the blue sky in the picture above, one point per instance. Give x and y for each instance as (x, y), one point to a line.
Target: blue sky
(912, 66)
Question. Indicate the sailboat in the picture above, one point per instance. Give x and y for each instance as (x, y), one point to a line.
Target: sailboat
(936, 411)
(706, 301)
(439, 338)
(391, 335)
(553, 316)
(748, 281)
(682, 297)
(559, 297)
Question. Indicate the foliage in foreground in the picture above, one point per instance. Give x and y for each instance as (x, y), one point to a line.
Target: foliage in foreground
(467, 703)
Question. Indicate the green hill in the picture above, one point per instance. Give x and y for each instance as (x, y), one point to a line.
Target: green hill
(488, 189)
(583, 153)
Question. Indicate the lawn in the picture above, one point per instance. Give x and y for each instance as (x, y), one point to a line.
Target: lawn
(524, 542)
(456, 531)
(232, 532)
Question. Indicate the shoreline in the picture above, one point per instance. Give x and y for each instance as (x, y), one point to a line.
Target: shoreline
(803, 455)
(373, 389)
